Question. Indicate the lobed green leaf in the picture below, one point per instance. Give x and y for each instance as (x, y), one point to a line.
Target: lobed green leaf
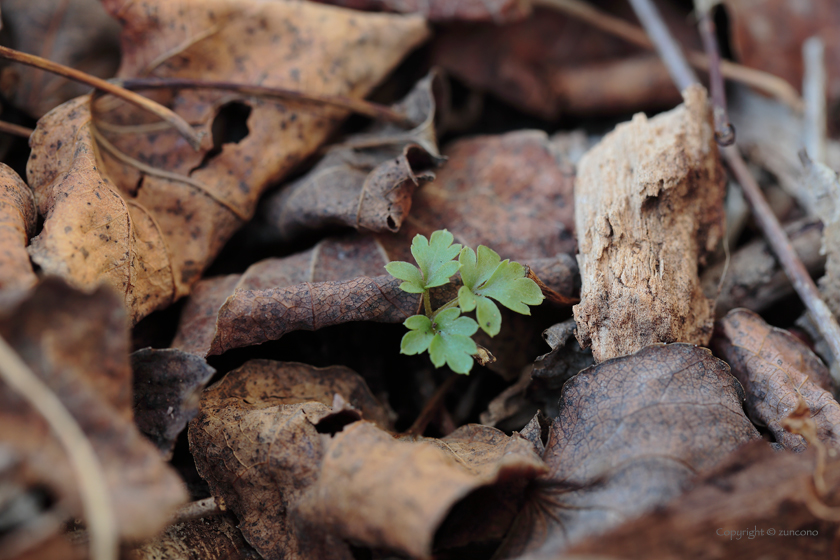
(435, 257)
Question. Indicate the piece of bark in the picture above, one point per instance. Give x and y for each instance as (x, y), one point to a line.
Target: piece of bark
(754, 279)
(167, 386)
(631, 433)
(648, 207)
(256, 441)
(367, 181)
(137, 206)
(776, 369)
(824, 186)
(77, 344)
(496, 11)
(210, 538)
(729, 514)
(17, 224)
(392, 494)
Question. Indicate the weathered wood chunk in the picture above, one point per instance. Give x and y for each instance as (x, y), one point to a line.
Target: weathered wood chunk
(648, 207)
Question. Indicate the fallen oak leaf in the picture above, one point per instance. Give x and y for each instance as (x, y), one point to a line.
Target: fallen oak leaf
(172, 208)
(632, 432)
(17, 223)
(776, 370)
(364, 467)
(256, 442)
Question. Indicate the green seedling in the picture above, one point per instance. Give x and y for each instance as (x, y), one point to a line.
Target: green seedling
(445, 332)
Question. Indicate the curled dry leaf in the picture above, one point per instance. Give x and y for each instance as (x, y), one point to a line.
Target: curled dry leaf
(768, 34)
(393, 494)
(76, 33)
(367, 181)
(17, 224)
(167, 387)
(752, 490)
(496, 11)
(648, 207)
(775, 368)
(256, 442)
(631, 432)
(135, 205)
(551, 64)
(78, 345)
(208, 538)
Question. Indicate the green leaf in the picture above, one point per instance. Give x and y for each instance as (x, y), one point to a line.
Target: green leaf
(452, 343)
(411, 274)
(466, 299)
(475, 272)
(488, 315)
(508, 286)
(435, 257)
(419, 336)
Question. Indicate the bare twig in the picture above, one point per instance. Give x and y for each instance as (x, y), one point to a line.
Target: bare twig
(813, 93)
(89, 474)
(431, 407)
(144, 103)
(196, 510)
(770, 227)
(724, 131)
(773, 85)
(367, 108)
(15, 129)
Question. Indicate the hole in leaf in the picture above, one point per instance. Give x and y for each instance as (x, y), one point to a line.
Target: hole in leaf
(230, 126)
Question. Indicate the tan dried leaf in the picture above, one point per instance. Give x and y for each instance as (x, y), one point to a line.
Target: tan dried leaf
(17, 224)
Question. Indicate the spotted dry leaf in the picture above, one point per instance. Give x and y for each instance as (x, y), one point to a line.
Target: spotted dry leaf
(775, 368)
(17, 224)
(632, 432)
(129, 201)
(256, 442)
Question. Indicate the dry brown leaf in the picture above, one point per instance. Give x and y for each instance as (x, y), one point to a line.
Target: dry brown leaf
(768, 34)
(256, 442)
(367, 181)
(393, 494)
(149, 232)
(631, 432)
(552, 64)
(775, 368)
(649, 206)
(78, 345)
(752, 505)
(167, 386)
(208, 538)
(497, 11)
(76, 33)
(17, 224)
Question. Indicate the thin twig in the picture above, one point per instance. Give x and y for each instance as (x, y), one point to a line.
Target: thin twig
(724, 131)
(360, 106)
(773, 85)
(15, 129)
(767, 222)
(431, 407)
(813, 93)
(196, 510)
(93, 488)
(177, 122)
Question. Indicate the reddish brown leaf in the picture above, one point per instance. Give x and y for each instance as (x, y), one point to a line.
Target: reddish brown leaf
(367, 181)
(76, 33)
(150, 225)
(649, 207)
(17, 224)
(755, 504)
(167, 386)
(497, 11)
(768, 34)
(631, 432)
(256, 442)
(775, 368)
(393, 494)
(78, 345)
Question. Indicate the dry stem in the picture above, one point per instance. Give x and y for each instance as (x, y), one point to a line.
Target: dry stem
(144, 103)
(15, 129)
(93, 488)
